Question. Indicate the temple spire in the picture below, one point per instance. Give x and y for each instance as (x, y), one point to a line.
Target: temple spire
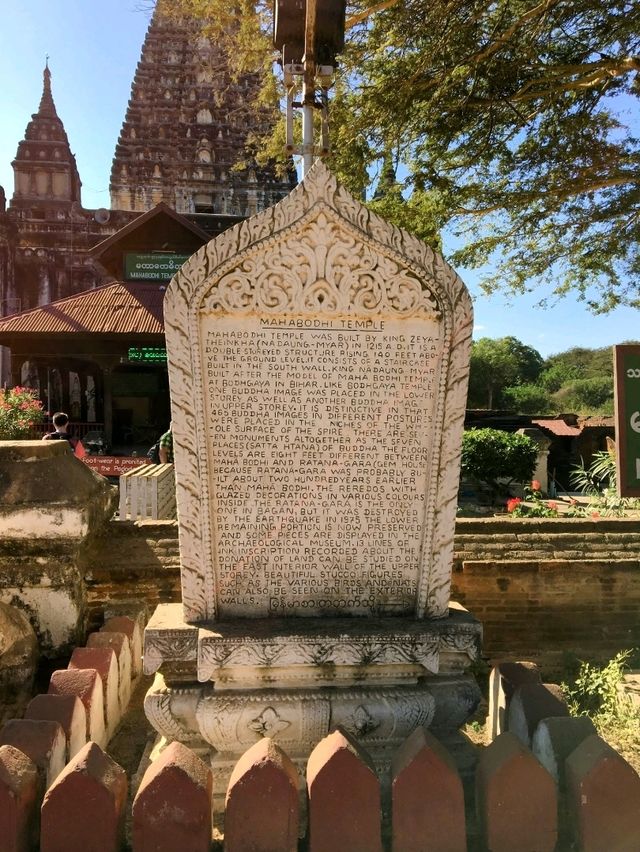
(45, 170)
(185, 130)
(47, 106)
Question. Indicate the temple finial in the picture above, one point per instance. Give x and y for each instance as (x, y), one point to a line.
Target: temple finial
(47, 106)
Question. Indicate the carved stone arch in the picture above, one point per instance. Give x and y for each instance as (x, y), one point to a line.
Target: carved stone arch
(317, 252)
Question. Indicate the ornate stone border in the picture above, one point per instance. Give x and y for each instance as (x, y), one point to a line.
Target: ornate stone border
(207, 650)
(194, 283)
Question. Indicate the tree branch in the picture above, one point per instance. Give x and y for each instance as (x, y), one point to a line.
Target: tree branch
(367, 13)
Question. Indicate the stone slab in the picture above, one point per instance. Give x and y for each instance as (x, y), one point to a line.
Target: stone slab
(340, 346)
(344, 797)
(530, 704)
(504, 679)
(84, 810)
(104, 661)
(603, 798)
(282, 652)
(554, 740)
(427, 797)
(133, 627)
(231, 722)
(516, 799)
(86, 684)
(119, 643)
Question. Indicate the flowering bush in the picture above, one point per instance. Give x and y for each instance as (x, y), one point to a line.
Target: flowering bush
(19, 410)
(534, 507)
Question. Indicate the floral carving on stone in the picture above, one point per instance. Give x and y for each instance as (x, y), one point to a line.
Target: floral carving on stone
(268, 723)
(362, 722)
(320, 269)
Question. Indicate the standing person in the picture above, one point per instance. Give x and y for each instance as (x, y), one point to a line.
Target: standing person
(166, 447)
(61, 422)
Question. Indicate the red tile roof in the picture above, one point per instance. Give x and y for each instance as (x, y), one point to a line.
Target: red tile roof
(118, 308)
(558, 427)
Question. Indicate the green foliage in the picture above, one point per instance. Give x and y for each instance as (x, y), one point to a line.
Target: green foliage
(600, 474)
(20, 409)
(498, 364)
(599, 482)
(587, 396)
(580, 362)
(490, 455)
(418, 214)
(514, 113)
(553, 377)
(512, 121)
(595, 691)
(505, 373)
(527, 399)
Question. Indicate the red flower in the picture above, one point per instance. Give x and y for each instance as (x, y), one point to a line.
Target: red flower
(595, 515)
(552, 505)
(512, 503)
(535, 485)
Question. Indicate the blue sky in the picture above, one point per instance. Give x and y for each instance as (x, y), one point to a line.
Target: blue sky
(93, 49)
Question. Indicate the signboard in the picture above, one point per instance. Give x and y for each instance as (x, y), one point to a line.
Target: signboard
(627, 405)
(147, 354)
(114, 465)
(152, 267)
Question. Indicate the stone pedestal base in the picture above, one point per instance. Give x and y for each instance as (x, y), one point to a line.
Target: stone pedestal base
(221, 687)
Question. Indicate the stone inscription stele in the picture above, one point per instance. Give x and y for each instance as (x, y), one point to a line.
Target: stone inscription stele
(315, 356)
(319, 444)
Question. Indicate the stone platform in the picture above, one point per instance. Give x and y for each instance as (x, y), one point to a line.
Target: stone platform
(221, 686)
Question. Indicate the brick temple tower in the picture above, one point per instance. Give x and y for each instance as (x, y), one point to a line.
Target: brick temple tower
(185, 128)
(45, 170)
(53, 232)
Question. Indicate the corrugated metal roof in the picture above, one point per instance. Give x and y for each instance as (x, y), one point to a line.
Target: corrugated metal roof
(597, 422)
(118, 308)
(558, 427)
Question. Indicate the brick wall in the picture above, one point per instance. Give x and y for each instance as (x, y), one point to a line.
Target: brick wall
(544, 589)
(132, 561)
(551, 590)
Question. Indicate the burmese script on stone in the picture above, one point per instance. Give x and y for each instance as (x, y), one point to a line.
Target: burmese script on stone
(319, 432)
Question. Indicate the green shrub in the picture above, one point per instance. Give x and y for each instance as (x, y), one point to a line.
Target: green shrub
(587, 395)
(596, 690)
(490, 455)
(527, 399)
(598, 481)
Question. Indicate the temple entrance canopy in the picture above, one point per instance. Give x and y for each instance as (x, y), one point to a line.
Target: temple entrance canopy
(100, 355)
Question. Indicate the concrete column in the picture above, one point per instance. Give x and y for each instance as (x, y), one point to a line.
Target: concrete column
(543, 443)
